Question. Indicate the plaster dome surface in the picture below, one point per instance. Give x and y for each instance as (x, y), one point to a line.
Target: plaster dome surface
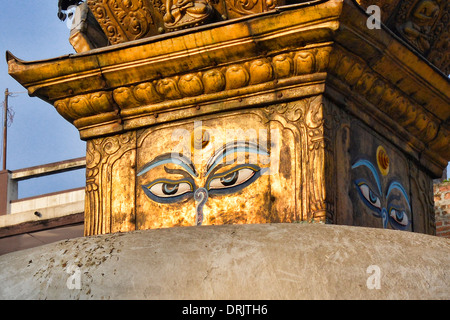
(266, 261)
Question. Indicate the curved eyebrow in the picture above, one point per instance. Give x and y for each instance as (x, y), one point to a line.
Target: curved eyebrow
(397, 185)
(372, 169)
(233, 147)
(175, 158)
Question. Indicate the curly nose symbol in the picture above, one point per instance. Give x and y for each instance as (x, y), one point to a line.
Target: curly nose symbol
(384, 217)
(201, 196)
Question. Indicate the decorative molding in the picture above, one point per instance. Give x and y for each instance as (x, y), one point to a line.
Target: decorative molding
(86, 105)
(419, 122)
(233, 76)
(90, 109)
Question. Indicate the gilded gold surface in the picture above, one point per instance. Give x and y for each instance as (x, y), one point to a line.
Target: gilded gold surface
(276, 155)
(131, 20)
(304, 91)
(424, 24)
(246, 205)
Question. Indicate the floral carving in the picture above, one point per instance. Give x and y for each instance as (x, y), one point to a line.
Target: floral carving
(236, 77)
(246, 7)
(134, 16)
(213, 81)
(282, 65)
(190, 85)
(101, 156)
(122, 20)
(311, 120)
(168, 88)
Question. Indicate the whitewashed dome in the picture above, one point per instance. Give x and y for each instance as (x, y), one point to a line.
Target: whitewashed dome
(268, 261)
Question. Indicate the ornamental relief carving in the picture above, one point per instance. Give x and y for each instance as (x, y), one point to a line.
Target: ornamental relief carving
(181, 14)
(211, 84)
(125, 20)
(229, 77)
(424, 24)
(86, 105)
(247, 7)
(416, 22)
(109, 160)
(134, 16)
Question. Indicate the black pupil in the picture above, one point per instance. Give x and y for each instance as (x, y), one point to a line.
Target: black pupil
(169, 189)
(230, 178)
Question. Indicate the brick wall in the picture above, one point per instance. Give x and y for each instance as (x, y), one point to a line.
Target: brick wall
(442, 208)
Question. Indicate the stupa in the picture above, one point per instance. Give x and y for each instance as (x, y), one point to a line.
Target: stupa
(256, 113)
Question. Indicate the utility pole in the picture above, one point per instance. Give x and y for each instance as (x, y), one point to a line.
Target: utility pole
(5, 124)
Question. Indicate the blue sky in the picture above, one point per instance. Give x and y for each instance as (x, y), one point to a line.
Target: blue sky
(38, 135)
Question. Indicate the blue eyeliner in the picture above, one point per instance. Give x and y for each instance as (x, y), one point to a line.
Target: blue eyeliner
(157, 163)
(227, 151)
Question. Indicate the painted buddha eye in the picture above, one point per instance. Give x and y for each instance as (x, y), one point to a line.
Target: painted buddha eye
(231, 179)
(165, 189)
(168, 190)
(399, 216)
(369, 196)
(237, 178)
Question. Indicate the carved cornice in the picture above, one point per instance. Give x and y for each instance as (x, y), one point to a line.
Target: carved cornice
(400, 84)
(272, 74)
(405, 111)
(230, 78)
